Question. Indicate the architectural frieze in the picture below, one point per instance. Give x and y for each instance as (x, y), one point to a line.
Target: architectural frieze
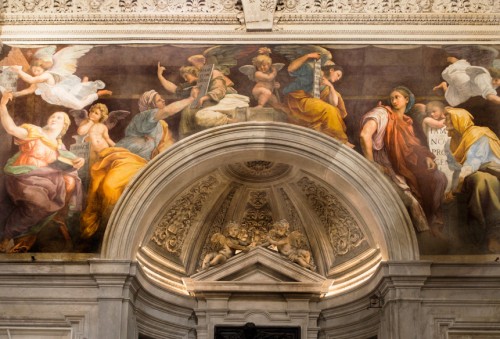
(230, 12)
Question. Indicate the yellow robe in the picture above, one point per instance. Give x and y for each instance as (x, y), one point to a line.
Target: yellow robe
(110, 175)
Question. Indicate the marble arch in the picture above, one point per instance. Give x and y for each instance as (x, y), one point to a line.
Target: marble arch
(370, 199)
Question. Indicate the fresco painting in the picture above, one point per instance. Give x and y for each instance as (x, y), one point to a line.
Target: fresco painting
(78, 122)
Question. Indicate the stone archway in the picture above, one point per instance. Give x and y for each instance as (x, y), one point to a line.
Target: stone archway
(314, 161)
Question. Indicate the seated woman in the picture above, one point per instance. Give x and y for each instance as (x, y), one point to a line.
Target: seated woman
(145, 137)
(39, 189)
(388, 139)
(477, 150)
(324, 114)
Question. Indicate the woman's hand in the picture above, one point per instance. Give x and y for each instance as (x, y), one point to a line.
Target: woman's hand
(202, 100)
(314, 55)
(78, 163)
(431, 165)
(160, 69)
(6, 97)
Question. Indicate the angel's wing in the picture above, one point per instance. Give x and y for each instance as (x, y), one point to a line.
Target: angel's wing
(477, 55)
(278, 66)
(249, 71)
(227, 56)
(66, 59)
(79, 115)
(45, 53)
(114, 117)
(474, 71)
(292, 52)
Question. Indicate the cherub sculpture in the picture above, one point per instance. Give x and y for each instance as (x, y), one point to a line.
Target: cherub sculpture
(263, 72)
(228, 245)
(289, 244)
(52, 78)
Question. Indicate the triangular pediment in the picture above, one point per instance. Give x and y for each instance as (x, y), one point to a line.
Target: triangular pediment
(260, 270)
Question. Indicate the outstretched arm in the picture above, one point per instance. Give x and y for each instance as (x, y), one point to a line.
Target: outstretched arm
(176, 106)
(297, 63)
(7, 122)
(31, 79)
(493, 98)
(168, 85)
(29, 90)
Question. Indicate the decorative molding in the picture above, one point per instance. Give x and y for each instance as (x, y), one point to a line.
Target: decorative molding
(341, 228)
(174, 225)
(311, 21)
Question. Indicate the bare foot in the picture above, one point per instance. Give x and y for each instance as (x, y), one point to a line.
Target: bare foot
(104, 93)
(348, 144)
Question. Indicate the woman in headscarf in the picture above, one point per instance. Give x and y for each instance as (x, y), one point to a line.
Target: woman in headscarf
(388, 139)
(477, 149)
(145, 137)
(148, 134)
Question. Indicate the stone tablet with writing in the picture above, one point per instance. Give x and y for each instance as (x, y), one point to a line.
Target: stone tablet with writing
(82, 150)
(203, 82)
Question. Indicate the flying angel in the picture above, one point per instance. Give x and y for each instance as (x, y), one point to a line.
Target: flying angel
(52, 78)
(471, 73)
(264, 72)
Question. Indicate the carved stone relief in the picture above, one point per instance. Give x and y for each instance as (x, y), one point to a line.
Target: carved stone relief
(258, 215)
(341, 228)
(174, 225)
(253, 14)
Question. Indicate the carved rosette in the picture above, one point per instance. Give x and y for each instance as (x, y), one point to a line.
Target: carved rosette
(174, 225)
(342, 230)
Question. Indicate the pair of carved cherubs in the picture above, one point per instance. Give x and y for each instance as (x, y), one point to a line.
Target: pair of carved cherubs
(236, 239)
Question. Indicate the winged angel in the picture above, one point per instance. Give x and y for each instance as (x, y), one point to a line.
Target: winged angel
(263, 72)
(93, 126)
(470, 73)
(219, 100)
(52, 78)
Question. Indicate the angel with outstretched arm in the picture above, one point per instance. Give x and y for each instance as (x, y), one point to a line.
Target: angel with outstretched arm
(52, 78)
(466, 77)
